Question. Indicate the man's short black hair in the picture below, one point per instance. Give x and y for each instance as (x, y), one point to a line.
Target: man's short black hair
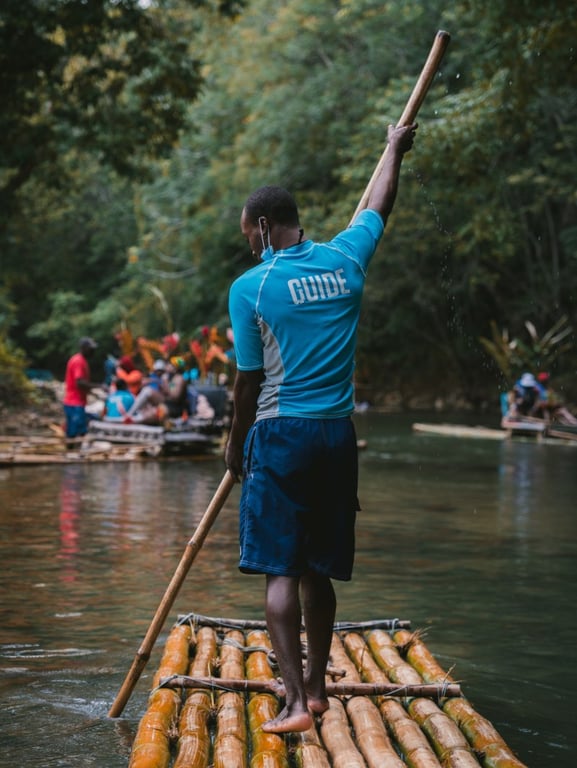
(274, 203)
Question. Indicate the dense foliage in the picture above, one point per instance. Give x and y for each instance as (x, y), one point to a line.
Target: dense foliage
(132, 148)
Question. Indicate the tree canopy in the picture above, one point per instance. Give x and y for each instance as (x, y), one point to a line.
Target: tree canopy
(111, 78)
(134, 143)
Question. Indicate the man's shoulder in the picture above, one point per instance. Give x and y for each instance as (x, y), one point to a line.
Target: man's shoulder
(251, 277)
(359, 240)
(368, 219)
(76, 360)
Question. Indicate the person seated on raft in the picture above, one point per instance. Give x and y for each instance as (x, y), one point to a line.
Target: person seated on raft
(175, 389)
(525, 396)
(549, 405)
(149, 405)
(127, 371)
(118, 402)
(197, 403)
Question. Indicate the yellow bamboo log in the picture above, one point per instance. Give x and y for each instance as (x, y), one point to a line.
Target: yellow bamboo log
(482, 735)
(268, 749)
(340, 659)
(151, 746)
(371, 734)
(420, 657)
(175, 657)
(388, 658)
(309, 751)
(230, 743)
(411, 741)
(370, 731)
(194, 740)
(337, 738)
(157, 729)
(448, 742)
(193, 749)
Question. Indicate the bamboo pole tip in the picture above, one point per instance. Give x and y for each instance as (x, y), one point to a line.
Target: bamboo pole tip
(444, 35)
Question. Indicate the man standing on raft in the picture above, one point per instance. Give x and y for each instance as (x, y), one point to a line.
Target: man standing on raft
(294, 318)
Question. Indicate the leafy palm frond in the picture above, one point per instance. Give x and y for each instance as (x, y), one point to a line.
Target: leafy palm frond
(513, 356)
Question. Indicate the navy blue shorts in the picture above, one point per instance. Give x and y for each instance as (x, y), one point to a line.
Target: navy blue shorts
(299, 497)
(76, 420)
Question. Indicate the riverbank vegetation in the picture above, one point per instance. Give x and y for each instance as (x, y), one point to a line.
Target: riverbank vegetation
(133, 131)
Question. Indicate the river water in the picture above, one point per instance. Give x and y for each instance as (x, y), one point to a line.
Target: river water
(474, 541)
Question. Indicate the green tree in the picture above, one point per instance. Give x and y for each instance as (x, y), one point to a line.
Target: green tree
(66, 243)
(111, 78)
(278, 107)
(495, 163)
(91, 93)
(300, 93)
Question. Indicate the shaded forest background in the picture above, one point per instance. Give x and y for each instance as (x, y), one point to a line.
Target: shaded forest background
(133, 131)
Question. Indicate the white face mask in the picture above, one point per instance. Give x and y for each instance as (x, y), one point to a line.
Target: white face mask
(268, 253)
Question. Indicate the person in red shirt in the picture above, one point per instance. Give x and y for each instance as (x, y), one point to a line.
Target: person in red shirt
(76, 388)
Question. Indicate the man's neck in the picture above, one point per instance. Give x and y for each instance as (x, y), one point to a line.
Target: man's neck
(286, 237)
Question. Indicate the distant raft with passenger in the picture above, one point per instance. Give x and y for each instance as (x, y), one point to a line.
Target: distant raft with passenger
(532, 407)
(198, 429)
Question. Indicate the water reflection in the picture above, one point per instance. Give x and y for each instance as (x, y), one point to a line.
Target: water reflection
(69, 517)
(473, 541)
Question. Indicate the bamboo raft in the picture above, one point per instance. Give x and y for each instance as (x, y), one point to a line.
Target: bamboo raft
(391, 704)
(46, 449)
(109, 442)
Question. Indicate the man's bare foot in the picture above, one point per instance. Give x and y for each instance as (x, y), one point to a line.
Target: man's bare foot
(317, 706)
(317, 700)
(286, 723)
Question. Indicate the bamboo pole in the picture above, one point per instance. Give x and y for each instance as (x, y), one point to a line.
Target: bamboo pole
(245, 624)
(193, 747)
(411, 741)
(309, 751)
(336, 735)
(449, 743)
(268, 749)
(333, 689)
(306, 747)
(481, 735)
(413, 105)
(359, 626)
(365, 718)
(151, 746)
(192, 549)
(420, 657)
(230, 743)
(388, 658)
